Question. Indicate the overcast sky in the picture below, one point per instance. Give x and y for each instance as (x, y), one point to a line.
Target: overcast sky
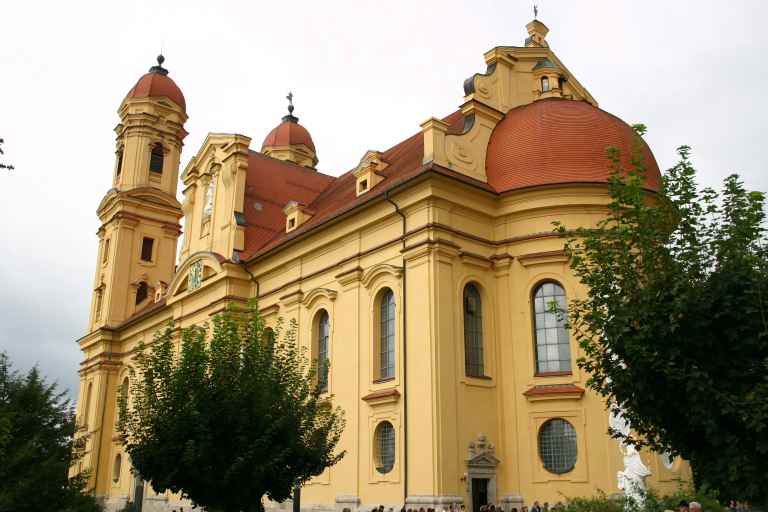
(364, 75)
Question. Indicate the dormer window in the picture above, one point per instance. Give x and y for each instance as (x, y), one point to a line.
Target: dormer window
(366, 172)
(544, 84)
(295, 215)
(156, 158)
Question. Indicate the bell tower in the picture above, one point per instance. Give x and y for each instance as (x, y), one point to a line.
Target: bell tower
(140, 214)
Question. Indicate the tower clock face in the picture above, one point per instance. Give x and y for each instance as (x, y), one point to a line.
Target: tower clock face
(195, 275)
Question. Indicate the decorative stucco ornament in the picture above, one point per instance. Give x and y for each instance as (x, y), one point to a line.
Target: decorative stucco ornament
(195, 275)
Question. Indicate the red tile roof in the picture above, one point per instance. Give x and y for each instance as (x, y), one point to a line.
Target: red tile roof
(266, 228)
(269, 185)
(157, 85)
(547, 142)
(559, 141)
(289, 133)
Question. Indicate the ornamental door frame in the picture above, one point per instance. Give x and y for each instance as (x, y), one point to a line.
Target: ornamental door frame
(481, 463)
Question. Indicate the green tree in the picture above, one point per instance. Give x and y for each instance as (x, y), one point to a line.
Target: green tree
(674, 324)
(230, 416)
(3, 165)
(37, 446)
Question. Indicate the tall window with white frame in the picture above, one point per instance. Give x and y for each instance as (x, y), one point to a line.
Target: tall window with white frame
(386, 334)
(473, 332)
(553, 348)
(323, 330)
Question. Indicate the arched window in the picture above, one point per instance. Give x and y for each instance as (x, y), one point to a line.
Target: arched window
(384, 439)
(386, 340)
(553, 348)
(141, 292)
(156, 158)
(119, 161)
(473, 332)
(544, 84)
(116, 468)
(323, 329)
(557, 446)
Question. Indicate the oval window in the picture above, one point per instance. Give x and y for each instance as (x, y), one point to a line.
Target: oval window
(385, 447)
(557, 446)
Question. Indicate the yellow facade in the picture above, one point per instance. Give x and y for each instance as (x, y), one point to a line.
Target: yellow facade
(424, 238)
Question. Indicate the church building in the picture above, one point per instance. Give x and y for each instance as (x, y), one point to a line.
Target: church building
(421, 274)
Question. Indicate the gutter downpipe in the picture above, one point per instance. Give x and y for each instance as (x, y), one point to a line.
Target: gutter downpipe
(405, 354)
(244, 265)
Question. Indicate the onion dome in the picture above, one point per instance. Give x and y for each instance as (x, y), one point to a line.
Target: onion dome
(157, 84)
(290, 141)
(558, 141)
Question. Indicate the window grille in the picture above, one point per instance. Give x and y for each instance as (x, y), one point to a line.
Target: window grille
(553, 349)
(323, 327)
(385, 447)
(557, 446)
(387, 335)
(544, 84)
(473, 332)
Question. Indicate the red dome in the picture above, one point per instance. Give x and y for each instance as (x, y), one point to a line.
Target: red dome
(289, 133)
(156, 85)
(559, 141)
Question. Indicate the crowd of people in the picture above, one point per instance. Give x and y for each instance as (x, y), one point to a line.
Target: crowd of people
(535, 507)
(683, 506)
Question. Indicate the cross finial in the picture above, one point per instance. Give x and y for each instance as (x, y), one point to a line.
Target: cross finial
(535, 11)
(290, 102)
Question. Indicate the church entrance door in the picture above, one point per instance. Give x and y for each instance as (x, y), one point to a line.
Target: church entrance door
(479, 493)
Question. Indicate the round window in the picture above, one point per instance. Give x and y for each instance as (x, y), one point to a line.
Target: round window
(557, 446)
(385, 447)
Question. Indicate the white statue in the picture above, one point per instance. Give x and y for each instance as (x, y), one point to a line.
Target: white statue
(632, 479)
(210, 193)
